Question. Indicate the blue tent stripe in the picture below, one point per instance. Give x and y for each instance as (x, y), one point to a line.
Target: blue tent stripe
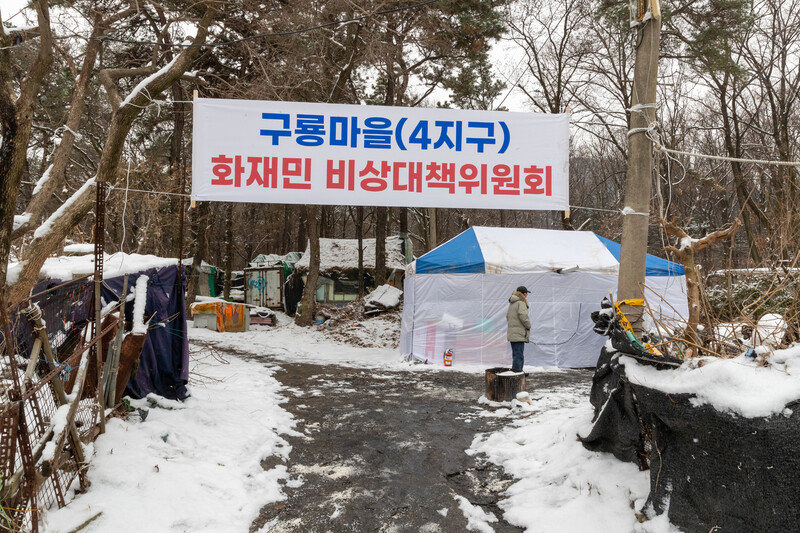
(654, 266)
(461, 255)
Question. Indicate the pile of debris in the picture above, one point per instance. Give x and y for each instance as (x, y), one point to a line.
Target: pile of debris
(356, 323)
(382, 299)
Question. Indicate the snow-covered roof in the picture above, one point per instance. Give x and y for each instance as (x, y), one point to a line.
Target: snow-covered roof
(342, 254)
(262, 260)
(66, 268)
(515, 250)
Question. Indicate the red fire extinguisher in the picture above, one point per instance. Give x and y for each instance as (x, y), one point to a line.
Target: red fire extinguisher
(448, 357)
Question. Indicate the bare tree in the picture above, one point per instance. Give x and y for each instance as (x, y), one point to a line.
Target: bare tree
(48, 236)
(685, 252)
(16, 122)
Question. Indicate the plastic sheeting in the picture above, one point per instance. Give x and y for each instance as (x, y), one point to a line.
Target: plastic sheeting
(164, 364)
(467, 313)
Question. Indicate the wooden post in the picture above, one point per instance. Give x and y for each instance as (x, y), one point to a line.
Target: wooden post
(77, 387)
(633, 254)
(34, 316)
(114, 353)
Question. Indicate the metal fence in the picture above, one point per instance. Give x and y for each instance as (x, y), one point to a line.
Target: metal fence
(47, 344)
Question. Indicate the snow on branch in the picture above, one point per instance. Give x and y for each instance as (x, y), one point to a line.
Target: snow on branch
(145, 82)
(44, 229)
(688, 243)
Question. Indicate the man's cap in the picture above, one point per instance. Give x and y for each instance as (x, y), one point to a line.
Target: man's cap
(523, 289)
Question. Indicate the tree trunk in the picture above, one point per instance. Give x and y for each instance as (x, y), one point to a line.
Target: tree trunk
(16, 126)
(199, 249)
(380, 245)
(693, 298)
(686, 256)
(8, 186)
(305, 312)
(302, 239)
(176, 163)
(37, 205)
(403, 220)
(286, 234)
(566, 222)
(733, 147)
(360, 237)
(407, 252)
(433, 238)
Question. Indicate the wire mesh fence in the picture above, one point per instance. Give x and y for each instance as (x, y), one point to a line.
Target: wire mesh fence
(44, 341)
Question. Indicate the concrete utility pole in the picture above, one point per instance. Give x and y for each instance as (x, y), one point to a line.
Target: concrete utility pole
(640, 163)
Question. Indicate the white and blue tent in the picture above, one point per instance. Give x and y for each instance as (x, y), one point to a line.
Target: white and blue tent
(456, 296)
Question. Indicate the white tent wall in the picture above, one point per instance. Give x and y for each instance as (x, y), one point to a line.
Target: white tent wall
(666, 297)
(467, 313)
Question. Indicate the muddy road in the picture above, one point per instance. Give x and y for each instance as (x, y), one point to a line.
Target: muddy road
(384, 451)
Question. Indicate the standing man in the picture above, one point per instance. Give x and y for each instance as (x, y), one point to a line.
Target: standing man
(519, 326)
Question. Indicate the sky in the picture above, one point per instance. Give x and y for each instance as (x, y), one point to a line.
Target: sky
(9, 8)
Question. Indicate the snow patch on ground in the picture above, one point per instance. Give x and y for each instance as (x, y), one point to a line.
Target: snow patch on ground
(477, 518)
(562, 486)
(199, 468)
(182, 469)
(291, 343)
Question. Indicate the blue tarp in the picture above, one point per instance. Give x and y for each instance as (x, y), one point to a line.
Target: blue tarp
(164, 364)
(461, 254)
(654, 266)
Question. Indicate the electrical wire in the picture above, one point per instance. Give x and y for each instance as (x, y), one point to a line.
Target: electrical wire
(165, 193)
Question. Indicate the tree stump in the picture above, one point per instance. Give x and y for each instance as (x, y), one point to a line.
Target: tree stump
(502, 384)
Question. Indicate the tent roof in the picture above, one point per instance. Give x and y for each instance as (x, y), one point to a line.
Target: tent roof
(514, 250)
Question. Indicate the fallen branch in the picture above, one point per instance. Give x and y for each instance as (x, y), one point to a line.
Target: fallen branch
(86, 523)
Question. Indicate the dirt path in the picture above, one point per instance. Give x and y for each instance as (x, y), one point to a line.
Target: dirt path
(384, 451)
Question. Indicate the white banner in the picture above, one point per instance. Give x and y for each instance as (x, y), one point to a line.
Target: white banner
(337, 154)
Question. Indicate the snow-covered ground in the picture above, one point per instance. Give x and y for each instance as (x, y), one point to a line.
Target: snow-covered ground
(196, 466)
(562, 486)
(192, 466)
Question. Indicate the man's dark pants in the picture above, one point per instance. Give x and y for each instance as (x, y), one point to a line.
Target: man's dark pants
(517, 356)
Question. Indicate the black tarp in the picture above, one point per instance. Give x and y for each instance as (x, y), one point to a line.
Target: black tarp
(164, 364)
(709, 470)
